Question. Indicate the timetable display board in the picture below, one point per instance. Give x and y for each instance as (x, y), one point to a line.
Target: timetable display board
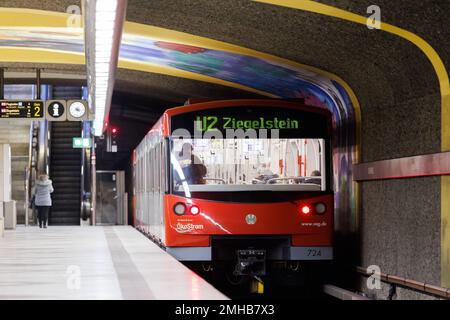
(25, 109)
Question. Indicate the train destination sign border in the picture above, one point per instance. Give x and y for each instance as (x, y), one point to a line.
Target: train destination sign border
(268, 121)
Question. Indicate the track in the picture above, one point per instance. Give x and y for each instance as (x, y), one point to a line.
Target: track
(342, 294)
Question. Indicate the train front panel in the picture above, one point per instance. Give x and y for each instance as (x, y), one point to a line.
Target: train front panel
(249, 174)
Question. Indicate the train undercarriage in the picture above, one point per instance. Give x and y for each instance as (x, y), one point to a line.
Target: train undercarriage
(249, 266)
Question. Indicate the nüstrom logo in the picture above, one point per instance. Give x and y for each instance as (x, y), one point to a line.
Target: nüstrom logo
(189, 227)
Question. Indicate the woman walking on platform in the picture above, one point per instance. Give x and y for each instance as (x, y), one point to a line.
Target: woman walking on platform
(43, 200)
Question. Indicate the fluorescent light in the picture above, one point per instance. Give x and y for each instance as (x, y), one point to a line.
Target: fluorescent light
(103, 29)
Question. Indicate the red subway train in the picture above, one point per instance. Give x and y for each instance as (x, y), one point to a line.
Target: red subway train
(244, 182)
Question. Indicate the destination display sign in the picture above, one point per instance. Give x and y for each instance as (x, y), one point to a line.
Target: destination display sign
(265, 121)
(25, 109)
(208, 123)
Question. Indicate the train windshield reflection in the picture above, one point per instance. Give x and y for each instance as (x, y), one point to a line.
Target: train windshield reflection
(215, 165)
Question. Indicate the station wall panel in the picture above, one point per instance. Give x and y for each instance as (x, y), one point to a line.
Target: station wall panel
(400, 228)
(401, 128)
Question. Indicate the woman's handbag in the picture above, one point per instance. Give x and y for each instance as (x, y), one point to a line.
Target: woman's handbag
(31, 205)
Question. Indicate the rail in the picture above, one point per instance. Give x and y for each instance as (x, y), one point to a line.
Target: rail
(342, 294)
(408, 283)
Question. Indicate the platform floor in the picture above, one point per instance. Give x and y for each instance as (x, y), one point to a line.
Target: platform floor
(93, 263)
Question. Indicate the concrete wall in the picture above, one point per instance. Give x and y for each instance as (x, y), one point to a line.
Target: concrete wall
(400, 229)
(403, 121)
(401, 218)
(401, 128)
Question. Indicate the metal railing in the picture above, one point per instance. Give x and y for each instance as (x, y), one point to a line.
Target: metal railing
(419, 286)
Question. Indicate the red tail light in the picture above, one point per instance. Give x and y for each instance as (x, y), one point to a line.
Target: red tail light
(306, 210)
(194, 210)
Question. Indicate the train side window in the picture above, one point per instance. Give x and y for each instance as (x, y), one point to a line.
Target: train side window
(151, 168)
(167, 171)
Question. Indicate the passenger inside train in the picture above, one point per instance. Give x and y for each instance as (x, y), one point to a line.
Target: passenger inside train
(193, 168)
(316, 177)
(250, 164)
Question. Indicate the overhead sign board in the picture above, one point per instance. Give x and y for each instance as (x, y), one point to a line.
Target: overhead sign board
(51, 110)
(56, 110)
(21, 109)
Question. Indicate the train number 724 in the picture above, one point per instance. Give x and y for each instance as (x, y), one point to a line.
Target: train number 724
(314, 252)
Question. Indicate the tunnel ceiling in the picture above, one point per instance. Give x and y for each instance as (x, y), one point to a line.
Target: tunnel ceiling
(304, 37)
(383, 70)
(50, 5)
(428, 19)
(394, 66)
(361, 56)
(389, 75)
(162, 88)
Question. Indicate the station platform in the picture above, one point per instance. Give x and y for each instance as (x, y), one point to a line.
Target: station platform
(115, 262)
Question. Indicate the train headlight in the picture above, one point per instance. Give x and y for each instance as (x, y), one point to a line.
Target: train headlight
(179, 208)
(194, 210)
(320, 208)
(305, 210)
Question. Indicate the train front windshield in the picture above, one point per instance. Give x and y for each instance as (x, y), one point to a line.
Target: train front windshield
(230, 165)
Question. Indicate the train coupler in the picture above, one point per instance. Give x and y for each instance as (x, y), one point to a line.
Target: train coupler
(251, 262)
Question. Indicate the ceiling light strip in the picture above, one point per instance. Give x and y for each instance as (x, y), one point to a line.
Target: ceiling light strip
(104, 21)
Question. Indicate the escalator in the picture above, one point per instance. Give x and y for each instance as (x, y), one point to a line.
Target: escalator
(65, 172)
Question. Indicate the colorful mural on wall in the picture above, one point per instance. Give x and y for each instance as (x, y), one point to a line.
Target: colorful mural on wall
(281, 80)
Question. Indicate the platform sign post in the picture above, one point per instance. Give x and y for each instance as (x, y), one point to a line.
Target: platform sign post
(81, 143)
(22, 109)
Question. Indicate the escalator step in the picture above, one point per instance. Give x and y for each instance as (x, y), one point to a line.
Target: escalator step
(67, 179)
(63, 168)
(65, 172)
(65, 162)
(62, 174)
(70, 221)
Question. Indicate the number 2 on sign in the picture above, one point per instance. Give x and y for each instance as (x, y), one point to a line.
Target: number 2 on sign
(37, 112)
